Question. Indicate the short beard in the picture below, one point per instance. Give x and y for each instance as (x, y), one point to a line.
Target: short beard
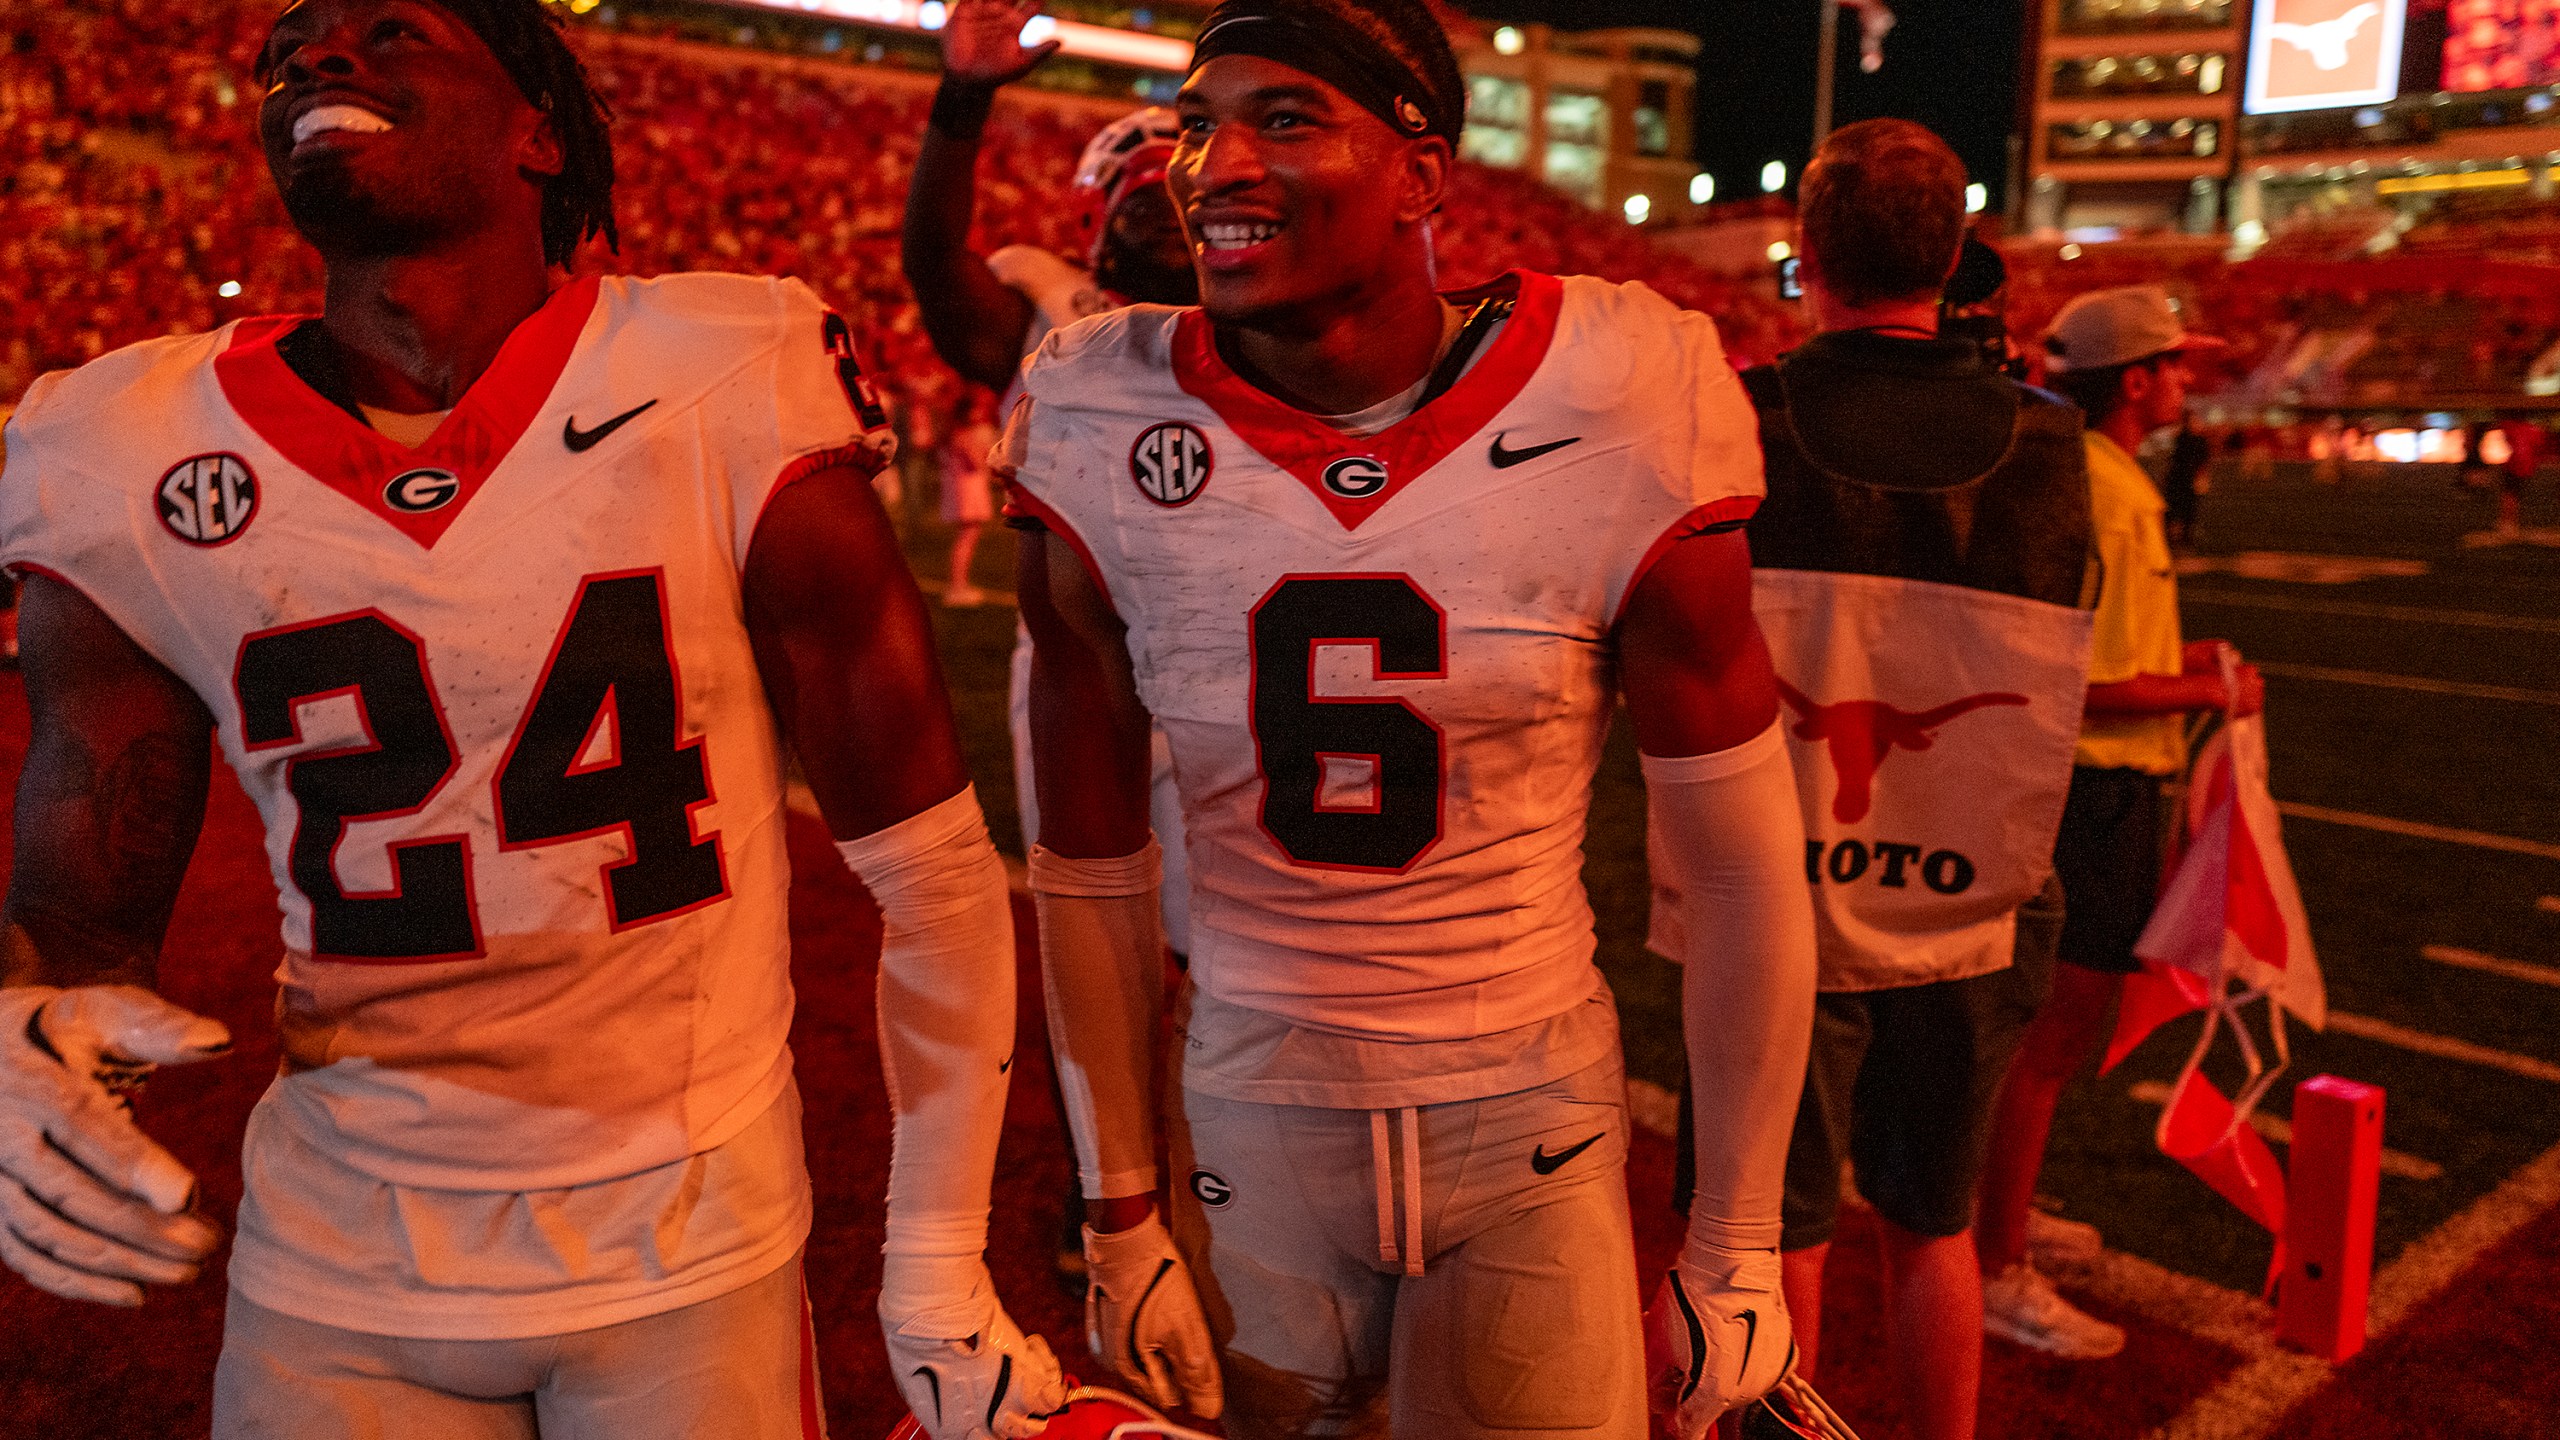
(1145, 280)
(341, 216)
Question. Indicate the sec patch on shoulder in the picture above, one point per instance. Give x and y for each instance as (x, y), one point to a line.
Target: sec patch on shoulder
(208, 499)
(1171, 463)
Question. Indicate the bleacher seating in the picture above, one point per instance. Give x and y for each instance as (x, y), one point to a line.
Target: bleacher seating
(134, 192)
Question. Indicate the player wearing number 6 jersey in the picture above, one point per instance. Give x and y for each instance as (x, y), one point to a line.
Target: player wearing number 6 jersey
(501, 592)
(1376, 558)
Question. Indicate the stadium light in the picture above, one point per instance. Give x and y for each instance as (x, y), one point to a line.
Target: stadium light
(1780, 251)
(229, 290)
(1976, 196)
(1639, 209)
(1702, 188)
(1773, 177)
(1090, 42)
(1509, 41)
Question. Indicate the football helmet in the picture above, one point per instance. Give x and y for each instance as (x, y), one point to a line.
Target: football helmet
(1130, 153)
(1092, 1413)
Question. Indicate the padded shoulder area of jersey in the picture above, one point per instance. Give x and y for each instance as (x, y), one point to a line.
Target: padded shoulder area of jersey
(705, 324)
(1605, 324)
(106, 398)
(1128, 351)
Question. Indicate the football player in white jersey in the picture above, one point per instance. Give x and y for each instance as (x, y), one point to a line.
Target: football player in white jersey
(502, 592)
(985, 314)
(1379, 560)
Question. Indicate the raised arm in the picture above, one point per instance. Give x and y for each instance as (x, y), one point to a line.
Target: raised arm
(975, 321)
(846, 654)
(1704, 702)
(109, 804)
(1094, 873)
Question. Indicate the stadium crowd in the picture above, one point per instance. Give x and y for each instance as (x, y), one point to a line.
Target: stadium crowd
(133, 201)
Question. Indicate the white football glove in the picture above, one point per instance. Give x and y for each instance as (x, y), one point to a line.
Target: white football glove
(1717, 1337)
(1142, 1317)
(90, 1208)
(967, 1371)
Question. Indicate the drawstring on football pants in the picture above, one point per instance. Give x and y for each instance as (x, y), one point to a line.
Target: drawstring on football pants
(1383, 1169)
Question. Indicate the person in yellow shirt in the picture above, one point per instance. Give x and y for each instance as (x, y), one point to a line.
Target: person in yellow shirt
(2121, 356)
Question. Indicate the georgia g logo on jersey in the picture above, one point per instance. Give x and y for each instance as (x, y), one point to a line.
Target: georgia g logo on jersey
(1355, 477)
(1171, 463)
(208, 499)
(422, 490)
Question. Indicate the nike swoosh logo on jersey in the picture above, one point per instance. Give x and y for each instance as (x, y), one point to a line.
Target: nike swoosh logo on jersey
(1504, 459)
(1750, 1336)
(581, 441)
(1546, 1164)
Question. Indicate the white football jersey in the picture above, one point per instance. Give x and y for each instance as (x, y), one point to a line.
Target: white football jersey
(1384, 662)
(493, 698)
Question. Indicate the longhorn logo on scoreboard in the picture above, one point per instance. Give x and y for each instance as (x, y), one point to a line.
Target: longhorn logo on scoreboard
(208, 499)
(2321, 54)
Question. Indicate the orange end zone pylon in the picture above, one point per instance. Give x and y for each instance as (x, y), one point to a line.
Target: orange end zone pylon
(2335, 1177)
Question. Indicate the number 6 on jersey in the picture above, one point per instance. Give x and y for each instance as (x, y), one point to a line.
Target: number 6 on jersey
(1349, 783)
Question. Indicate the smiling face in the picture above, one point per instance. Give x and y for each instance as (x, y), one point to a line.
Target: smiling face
(1292, 195)
(389, 126)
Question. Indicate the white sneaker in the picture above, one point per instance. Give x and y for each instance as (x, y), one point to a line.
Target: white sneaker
(2057, 1246)
(2022, 1307)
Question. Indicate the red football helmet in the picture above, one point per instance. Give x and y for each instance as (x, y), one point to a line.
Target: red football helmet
(1092, 1413)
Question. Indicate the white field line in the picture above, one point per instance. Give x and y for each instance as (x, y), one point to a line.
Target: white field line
(2419, 683)
(2279, 1131)
(2473, 619)
(2443, 1047)
(2252, 1399)
(2478, 839)
(2524, 970)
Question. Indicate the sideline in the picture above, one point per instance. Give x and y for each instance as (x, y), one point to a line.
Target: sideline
(2443, 1047)
(2398, 1164)
(2367, 610)
(2477, 839)
(2251, 1400)
(2379, 680)
(2524, 970)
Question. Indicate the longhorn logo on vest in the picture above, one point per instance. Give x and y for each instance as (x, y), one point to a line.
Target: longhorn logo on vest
(1171, 463)
(208, 499)
(1355, 478)
(419, 491)
(1861, 733)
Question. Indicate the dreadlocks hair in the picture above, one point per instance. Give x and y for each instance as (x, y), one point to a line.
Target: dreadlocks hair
(532, 46)
(1409, 31)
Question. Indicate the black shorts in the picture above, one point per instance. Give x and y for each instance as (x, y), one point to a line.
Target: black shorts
(2108, 856)
(1902, 1084)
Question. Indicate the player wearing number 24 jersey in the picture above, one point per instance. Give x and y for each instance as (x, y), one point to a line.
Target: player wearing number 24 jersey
(501, 592)
(1377, 559)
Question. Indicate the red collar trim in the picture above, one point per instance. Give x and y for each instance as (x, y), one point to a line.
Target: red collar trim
(1304, 445)
(359, 462)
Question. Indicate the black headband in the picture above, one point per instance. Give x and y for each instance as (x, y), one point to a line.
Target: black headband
(1333, 50)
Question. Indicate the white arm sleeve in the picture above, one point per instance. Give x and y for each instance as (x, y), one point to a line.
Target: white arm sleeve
(1102, 959)
(946, 1042)
(1728, 827)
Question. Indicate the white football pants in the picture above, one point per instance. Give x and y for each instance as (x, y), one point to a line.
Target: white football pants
(1449, 1272)
(740, 1366)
